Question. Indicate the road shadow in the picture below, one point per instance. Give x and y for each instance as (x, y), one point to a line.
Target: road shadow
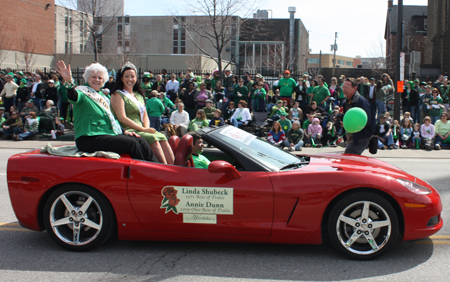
(156, 261)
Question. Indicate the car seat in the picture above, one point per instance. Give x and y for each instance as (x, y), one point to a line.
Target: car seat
(183, 152)
(173, 142)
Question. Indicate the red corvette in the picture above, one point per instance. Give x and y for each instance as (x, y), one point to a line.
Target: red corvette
(251, 192)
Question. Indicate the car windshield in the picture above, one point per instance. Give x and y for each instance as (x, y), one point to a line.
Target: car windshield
(259, 150)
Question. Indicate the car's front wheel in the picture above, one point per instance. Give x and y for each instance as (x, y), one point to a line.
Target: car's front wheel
(363, 225)
(78, 218)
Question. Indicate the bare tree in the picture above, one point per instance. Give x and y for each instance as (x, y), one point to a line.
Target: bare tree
(127, 51)
(376, 56)
(217, 24)
(28, 56)
(98, 17)
(4, 42)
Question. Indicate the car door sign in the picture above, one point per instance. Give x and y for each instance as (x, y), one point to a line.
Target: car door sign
(196, 202)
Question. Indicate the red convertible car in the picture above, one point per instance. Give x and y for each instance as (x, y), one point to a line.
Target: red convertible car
(251, 192)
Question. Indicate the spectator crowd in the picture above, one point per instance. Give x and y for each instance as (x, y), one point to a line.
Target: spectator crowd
(303, 112)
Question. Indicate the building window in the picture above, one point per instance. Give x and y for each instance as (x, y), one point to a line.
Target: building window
(340, 62)
(425, 24)
(127, 20)
(179, 36)
(347, 63)
(314, 60)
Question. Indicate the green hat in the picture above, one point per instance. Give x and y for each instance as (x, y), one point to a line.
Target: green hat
(10, 73)
(23, 80)
(19, 72)
(2, 72)
(146, 74)
(31, 101)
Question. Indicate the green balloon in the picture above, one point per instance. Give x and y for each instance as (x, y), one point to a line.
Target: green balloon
(355, 120)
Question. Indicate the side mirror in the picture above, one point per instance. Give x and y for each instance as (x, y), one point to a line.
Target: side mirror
(224, 167)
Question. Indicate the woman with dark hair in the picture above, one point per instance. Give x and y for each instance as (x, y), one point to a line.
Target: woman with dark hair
(96, 129)
(189, 99)
(128, 106)
(300, 93)
(146, 85)
(381, 99)
(310, 91)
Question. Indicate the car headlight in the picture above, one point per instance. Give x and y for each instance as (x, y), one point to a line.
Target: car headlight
(414, 187)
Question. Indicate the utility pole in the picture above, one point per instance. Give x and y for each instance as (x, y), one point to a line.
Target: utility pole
(320, 62)
(334, 48)
(292, 11)
(399, 37)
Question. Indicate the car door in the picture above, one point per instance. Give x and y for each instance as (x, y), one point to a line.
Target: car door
(168, 198)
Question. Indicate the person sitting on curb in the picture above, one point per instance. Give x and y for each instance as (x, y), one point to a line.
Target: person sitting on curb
(276, 136)
(217, 120)
(315, 133)
(285, 123)
(442, 129)
(59, 129)
(209, 109)
(30, 128)
(242, 115)
(200, 161)
(294, 137)
(384, 134)
(427, 131)
(13, 125)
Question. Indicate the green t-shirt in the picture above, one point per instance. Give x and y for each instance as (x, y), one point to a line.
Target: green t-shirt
(435, 111)
(442, 128)
(341, 92)
(155, 108)
(287, 86)
(320, 93)
(425, 99)
(285, 125)
(200, 161)
(243, 90)
(147, 88)
(62, 92)
(306, 124)
(209, 112)
(89, 118)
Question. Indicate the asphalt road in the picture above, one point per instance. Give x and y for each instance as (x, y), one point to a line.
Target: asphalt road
(32, 256)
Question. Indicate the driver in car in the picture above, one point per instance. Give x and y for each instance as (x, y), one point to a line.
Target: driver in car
(200, 161)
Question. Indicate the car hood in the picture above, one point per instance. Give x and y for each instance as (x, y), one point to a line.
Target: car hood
(348, 162)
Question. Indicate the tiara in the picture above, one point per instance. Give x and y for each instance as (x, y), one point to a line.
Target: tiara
(129, 65)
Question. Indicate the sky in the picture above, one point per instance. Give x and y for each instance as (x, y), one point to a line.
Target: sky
(360, 24)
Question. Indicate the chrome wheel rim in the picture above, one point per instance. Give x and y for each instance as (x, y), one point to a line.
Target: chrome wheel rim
(363, 228)
(76, 218)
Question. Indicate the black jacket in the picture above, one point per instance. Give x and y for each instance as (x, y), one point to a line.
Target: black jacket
(365, 92)
(162, 86)
(300, 93)
(188, 100)
(361, 102)
(51, 94)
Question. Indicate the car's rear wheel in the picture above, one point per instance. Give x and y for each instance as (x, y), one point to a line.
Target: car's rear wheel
(363, 225)
(78, 218)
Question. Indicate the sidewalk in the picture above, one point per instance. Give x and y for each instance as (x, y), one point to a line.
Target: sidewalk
(399, 153)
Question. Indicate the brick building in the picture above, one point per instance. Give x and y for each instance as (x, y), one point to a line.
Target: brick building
(415, 36)
(29, 27)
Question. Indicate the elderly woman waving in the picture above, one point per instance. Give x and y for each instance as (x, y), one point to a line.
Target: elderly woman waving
(96, 129)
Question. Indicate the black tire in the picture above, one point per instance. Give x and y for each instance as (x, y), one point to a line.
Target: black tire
(350, 231)
(94, 222)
